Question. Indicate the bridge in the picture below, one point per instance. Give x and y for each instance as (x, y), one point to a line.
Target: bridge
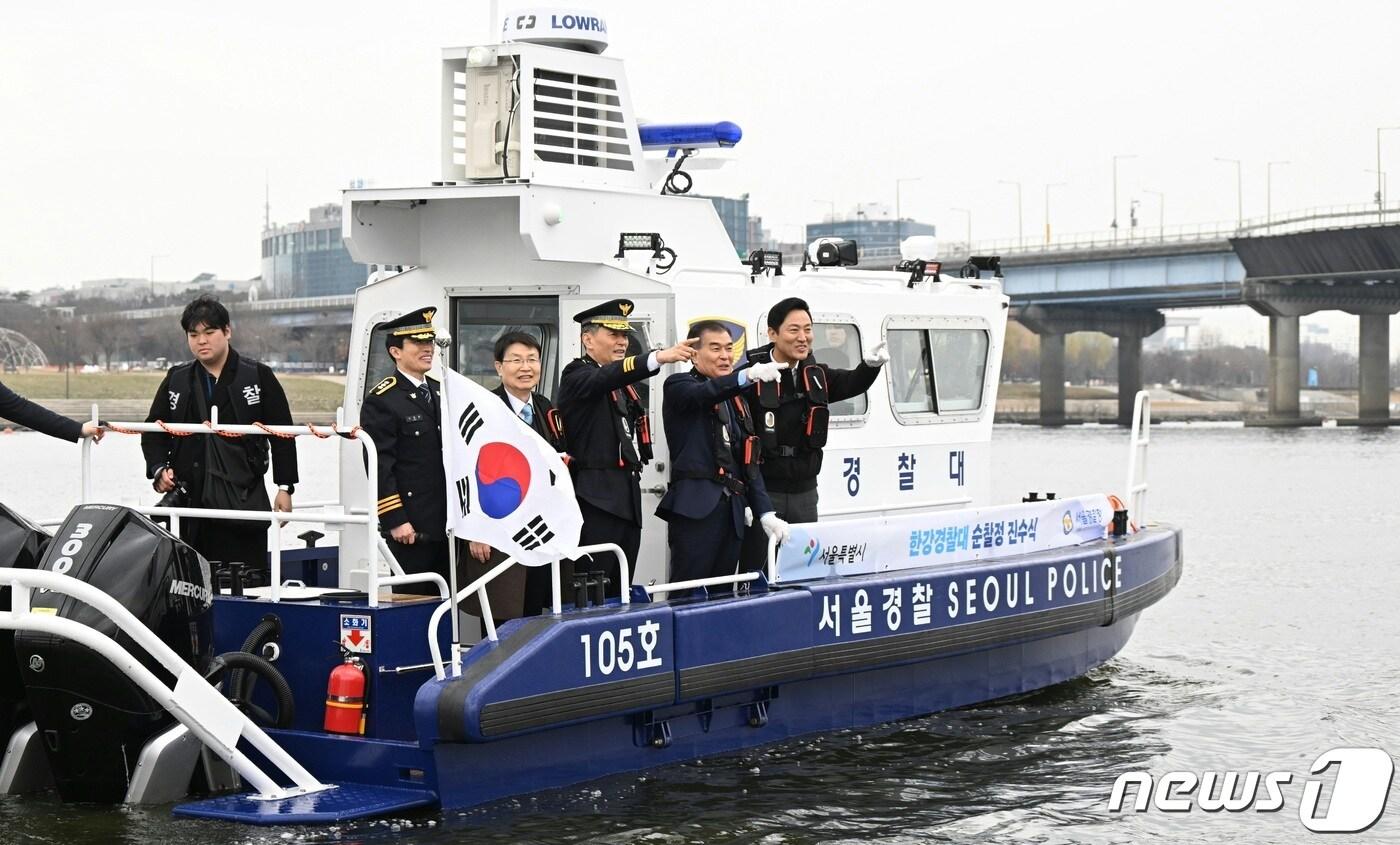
(1342, 259)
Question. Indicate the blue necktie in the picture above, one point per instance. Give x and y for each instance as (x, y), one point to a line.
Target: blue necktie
(527, 413)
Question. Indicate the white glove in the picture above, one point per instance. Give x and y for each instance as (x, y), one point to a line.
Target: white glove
(765, 371)
(748, 517)
(775, 528)
(879, 356)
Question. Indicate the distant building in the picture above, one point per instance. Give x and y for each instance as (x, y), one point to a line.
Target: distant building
(873, 229)
(135, 290)
(309, 258)
(734, 214)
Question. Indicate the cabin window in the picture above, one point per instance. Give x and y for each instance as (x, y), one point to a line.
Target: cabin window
(837, 345)
(959, 367)
(480, 321)
(937, 371)
(911, 376)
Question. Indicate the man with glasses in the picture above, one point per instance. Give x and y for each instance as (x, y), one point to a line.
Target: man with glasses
(515, 592)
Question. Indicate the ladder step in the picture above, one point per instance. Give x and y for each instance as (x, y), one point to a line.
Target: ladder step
(343, 802)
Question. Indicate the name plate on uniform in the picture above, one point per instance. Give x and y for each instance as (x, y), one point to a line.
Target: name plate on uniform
(909, 541)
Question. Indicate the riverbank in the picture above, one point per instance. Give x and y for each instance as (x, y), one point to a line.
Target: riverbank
(127, 396)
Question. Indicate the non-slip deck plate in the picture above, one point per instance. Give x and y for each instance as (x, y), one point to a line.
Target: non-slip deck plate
(344, 802)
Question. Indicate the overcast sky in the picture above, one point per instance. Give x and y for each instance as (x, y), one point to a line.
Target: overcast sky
(138, 128)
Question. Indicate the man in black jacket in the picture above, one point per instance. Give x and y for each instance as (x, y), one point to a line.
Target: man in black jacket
(792, 419)
(609, 432)
(402, 413)
(213, 471)
(17, 409)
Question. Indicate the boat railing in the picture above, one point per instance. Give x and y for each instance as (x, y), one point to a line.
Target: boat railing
(1141, 435)
(215, 720)
(488, 620)
(375, 548)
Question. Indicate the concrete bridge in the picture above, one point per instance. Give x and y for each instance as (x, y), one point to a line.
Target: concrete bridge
(1343, 259)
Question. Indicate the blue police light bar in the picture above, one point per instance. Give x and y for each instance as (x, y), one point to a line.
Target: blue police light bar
(658, 136)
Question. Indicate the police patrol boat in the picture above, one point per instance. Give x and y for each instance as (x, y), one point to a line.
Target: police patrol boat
(332, 698)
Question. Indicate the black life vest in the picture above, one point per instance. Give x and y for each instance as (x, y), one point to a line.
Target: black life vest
(811, 388)
(731, 472)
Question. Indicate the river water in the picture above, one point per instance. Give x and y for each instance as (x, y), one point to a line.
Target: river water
(1280, 642)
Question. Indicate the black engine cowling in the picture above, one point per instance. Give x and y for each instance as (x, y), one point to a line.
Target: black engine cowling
(94, 720)
(21, 544)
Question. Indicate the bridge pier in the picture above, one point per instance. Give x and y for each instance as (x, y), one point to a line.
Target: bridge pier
(1284, 385)
(1129, 326)
(1373, 403)
(1052, 379)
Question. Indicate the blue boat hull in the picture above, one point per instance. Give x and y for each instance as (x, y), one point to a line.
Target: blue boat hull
(753, 670)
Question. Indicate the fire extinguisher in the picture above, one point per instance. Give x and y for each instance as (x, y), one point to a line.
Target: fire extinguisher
(345, 698)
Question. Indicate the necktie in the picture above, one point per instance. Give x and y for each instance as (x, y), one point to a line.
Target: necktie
(527, 413)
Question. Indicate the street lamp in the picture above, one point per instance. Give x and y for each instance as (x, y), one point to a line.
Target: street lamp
(968, 212)
(1269, 189)
(1380, 182)
(898, 216)
(1020, 229)
(1382, 179)
(1161, 212)
(1047, 208)
(1114, 224)
(1239, 189)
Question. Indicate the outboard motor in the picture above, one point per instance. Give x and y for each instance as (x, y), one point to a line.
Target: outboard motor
(21, 544)
(93, 718)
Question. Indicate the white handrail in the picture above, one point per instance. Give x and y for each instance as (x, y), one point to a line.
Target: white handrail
(196, 704)
(1141, 436)
(488, 620)
(275, 519)
(738, 578)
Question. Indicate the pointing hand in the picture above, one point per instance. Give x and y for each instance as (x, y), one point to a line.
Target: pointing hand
(879, 356)
(683, 351)
(766, 371)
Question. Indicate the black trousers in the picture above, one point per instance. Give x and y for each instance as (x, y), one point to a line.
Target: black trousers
(599, 526)
(790, 507)
(422, 556)
(704, 548)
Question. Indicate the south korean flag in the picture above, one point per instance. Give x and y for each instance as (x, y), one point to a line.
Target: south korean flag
(506, 486)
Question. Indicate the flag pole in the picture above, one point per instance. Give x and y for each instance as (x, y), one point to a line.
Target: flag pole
(443, 342)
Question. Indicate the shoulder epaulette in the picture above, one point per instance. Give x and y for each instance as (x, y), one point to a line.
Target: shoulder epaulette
(384, 385)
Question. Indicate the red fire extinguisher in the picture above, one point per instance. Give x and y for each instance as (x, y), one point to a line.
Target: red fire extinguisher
(345, 698)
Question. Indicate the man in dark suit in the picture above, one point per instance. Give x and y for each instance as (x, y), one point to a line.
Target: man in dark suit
(402, 414)
(714, 459)
(520, 590)
(609, 433)
(17, 409)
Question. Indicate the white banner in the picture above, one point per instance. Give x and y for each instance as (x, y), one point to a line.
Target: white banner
(506, 486)
(910, 541)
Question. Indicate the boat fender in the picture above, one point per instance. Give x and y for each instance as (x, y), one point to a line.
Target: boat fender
(345, 698)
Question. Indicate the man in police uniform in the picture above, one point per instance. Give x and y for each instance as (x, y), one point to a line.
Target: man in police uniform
(792, 419)
(714, 459)
(609, 435)
(401, 413)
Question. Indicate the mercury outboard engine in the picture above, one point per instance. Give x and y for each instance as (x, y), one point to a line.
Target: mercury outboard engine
(94, 720)
(21, 544)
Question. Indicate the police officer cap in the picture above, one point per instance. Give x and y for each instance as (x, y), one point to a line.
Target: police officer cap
(416, 324)
(610, 315)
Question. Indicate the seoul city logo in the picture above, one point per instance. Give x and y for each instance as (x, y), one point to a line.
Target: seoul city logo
(1363, 778)
(502, 479)
(811, 550)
